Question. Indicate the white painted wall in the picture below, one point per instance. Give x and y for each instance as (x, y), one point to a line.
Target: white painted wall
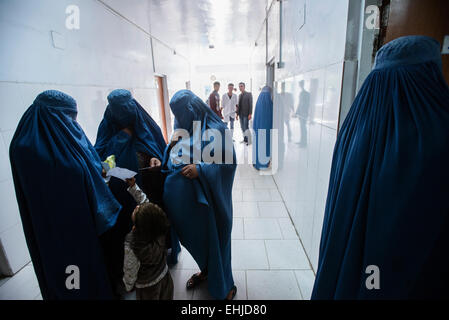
(314, 51)
(106, 53)
(258, 63)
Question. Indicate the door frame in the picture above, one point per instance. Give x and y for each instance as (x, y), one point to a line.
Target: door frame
(271, 69)
(164, 106)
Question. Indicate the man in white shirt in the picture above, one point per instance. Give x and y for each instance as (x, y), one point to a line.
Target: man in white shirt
(229, 104)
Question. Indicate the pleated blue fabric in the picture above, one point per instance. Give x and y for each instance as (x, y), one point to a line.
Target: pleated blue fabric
(263, 123)
(201, 209)
(64, 203)
(123, 111)
(385, 231)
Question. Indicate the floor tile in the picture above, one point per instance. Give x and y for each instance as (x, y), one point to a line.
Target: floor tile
(201, 292)
(236, 195)
(275, 195)
(185, 261)
(180, 278)
(246, 209)
(247, 172)
(272, 209)
(264, 183)
(256, 195)
(249, 254)
(261, 179)
(240, 283)
(272, 285)
(243, 183)
(306, 279)
(237, 229)
(286, 254)
(3, 280)
(287, 229)
(261, 228)
(23, 286)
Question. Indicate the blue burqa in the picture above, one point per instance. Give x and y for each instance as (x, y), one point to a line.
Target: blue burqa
(201, 209)
(263, 123)
(385, 232)
(123, 111)
(64, 203)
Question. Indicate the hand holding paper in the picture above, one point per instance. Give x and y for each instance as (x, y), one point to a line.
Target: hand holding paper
(121, 173)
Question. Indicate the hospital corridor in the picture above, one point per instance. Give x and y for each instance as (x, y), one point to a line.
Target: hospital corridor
(215, 150)
(269, 262)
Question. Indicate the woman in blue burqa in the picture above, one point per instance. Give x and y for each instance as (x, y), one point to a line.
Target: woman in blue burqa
(129, 133)
(263, 123)
(201, 166)
(64, 203)
(385, 232)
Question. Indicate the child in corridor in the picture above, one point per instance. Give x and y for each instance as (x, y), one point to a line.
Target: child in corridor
(145, 266)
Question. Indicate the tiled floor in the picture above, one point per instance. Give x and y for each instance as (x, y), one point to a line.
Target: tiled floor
(268, 259)
(22, 286)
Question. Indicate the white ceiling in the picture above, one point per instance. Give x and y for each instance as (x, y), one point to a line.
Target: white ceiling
(190, 26)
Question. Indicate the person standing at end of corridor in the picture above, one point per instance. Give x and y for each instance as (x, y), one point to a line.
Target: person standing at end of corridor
(263, 123)
(303, 112)
(286, 104)
(214, 100)
(229, 103)
(245, 110)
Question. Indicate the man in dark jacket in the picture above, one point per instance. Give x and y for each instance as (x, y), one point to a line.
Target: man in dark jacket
(245, 110)
(214, 100)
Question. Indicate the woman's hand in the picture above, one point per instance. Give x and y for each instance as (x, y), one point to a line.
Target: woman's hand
(155, 162)
(189, 171)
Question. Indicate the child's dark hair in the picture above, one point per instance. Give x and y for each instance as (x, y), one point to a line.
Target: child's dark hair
(150, 223)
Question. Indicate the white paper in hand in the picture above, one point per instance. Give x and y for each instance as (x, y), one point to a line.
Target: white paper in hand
(121, 173)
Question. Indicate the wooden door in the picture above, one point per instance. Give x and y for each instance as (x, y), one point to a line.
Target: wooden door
(161, 99)
(420, 17)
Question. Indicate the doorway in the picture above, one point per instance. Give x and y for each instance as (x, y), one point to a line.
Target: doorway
(270, 74)
(162, 97)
